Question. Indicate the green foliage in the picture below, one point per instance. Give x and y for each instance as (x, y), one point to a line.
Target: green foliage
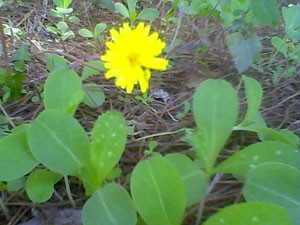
(266, 12)
(40, 185)
(14, 150)
(291, 18)
(195, 181)
(243, 49)
(110, 205)
(262, 152)
(94, 96)
(55, 138)
(215, 108)
(130, 12)
(275, 183)
(158, 191)
(250, 213)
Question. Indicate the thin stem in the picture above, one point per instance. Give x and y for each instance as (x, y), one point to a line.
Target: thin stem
(7, 116)
(161, 134)
(201, 204)
(67, 184)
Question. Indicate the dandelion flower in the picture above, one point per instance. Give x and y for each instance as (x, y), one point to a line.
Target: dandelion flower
(131, 55)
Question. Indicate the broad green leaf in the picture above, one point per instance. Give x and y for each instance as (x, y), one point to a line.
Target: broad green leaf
(275, 183)
(59, 142)
(195, 181)
(19, 65)
(110, 205)
(158, 192)
(257, 213)
(266, 12)
(16, 159)
(40, 185)
(243, 50)
(215, 108)
(88, 72)
(253, 92)
(63, 91)
(74, 19)
(15, 185)
(268, 151)
(120, 8)
(22, 53)
(85, 33)
(94, 96)
(108, 143)
(148, 14)
(55, 62)
(291, 18)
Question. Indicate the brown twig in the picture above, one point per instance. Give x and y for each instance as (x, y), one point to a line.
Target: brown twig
(3, 43)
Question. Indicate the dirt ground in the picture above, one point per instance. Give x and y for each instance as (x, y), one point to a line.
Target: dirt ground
(280, 105)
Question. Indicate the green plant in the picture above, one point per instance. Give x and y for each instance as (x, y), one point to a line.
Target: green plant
(130, 12)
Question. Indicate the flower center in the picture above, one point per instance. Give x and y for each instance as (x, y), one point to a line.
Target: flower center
(133, 59)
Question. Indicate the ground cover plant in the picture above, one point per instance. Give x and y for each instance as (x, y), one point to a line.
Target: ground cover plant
(149, 112)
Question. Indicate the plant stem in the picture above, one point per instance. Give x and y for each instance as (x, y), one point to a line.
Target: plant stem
(161, 134)
(201, 205)
(69, 191)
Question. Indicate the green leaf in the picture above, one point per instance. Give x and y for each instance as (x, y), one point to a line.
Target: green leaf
(195, 181)
(62, 26)
(40, 185)
(215, 108)
(86, 33)
(15, 185)
(158, 192)
(99, 28)
(88, 72)
(275, 183)
(59, 142)
(55, 62)
(291, 18)
(108, 143)
(74, 19)
(63, 91)
(268, 151)
(280, 45)
(253, 92)
(284, 136)
(266, 12)
(62, 3)
(19, 65)
(120, 8)
(257, 213)
(22, 53)
(15, 157)
(94, 96)
(15, 84)
(148, 14)
(243, 50)
(131, 5)
(110, 205)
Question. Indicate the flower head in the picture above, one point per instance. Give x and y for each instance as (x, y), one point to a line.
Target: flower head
(131, 55)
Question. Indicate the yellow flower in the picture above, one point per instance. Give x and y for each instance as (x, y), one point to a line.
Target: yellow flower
(131, 54)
